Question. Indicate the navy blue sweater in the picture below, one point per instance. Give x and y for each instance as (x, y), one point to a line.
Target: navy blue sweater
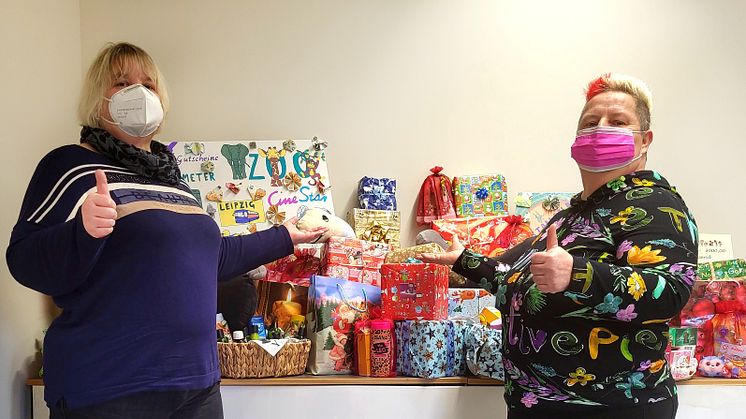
(138, 306)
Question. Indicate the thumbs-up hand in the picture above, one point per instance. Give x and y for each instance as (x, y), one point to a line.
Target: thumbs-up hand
(552, 268)
(99, 211)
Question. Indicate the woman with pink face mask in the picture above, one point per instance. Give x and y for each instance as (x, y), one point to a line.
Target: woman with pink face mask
(586, 303)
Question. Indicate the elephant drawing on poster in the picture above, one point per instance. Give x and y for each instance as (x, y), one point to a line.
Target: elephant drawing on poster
(236, 156)
(274, 156)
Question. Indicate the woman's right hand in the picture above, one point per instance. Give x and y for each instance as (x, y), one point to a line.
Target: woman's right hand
(99, 211)
(448, 258)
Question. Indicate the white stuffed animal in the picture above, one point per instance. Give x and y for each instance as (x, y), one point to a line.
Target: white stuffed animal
(310, 218)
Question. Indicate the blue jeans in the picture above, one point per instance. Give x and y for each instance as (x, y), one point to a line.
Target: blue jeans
(191, 404)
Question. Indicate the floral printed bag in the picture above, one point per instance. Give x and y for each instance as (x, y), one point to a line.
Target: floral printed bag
(334, 305)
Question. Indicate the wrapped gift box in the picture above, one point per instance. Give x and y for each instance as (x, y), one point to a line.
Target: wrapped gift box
(299, 267)
(376, 226)
(414, 291)
(725, 269)
(401, 255)
(430, 349)
(377, 193)
(467, 303)
(354, 260)
(488, 236)
(539, 207)
(483, 355)
(476, 196)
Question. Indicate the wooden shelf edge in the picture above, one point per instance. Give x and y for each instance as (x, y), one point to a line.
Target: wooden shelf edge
(353, 380)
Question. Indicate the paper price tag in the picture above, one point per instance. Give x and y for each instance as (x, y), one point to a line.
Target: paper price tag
(715, 247)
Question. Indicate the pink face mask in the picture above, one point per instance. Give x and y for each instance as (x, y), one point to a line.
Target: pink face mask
(603, 149)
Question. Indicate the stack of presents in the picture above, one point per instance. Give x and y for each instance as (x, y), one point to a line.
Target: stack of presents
(374, 309)
(709, 337)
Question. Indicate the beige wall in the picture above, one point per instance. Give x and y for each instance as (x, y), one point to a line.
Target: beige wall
(40, 73)
(483, 86)
(395, 87)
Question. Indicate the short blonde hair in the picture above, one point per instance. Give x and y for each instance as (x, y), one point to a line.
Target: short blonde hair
(614, 82)
(112, 62)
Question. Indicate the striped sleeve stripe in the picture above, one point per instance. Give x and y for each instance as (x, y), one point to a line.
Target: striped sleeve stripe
(63, 178)
(67, 185)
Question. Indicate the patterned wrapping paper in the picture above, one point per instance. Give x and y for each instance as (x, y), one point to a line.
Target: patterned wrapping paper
(401, 255)
(355, 260)
(430, 349)
(299, 267)
(726, 269)
(414, 291)
(467, 303)
(539, 207)
(334, 305)
(483, 351)
(476, 196)
(488, 236)
(377, 193)
(361, 356)
(376, 226)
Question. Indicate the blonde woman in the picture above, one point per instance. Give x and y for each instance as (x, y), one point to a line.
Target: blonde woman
(109, 230)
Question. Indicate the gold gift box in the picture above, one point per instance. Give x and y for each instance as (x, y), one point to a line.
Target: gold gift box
(376, 225)
(401, 255)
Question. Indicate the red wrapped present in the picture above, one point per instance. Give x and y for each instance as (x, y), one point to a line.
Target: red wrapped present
(435, 200)
(299, 267)
(488, 236)
(355, 260)
(414, 291)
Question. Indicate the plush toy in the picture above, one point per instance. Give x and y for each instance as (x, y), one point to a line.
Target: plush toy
(712, 366)
(310, 218)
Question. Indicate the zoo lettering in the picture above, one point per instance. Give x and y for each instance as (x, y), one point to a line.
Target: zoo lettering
(275, 198)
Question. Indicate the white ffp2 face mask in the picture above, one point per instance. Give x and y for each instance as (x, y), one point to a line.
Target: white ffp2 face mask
(136, 110)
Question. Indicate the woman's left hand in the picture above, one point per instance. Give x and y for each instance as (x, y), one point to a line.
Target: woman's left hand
(552, 268)
(303, 236)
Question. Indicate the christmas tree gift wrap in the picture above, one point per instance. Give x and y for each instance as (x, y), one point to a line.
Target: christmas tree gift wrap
(488, 236)
(430, 349)
(376, 226)
(414, 291)
(299, 267)
(354, 260)
(467, 303)
(483, 351)
(334, 305)
(539, 207)
(477, 196)
(377, 193)
(401, 255)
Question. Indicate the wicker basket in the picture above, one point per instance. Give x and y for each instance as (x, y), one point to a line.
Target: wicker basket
(249, 360)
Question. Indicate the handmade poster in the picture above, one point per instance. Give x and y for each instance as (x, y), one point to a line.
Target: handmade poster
(247, 186)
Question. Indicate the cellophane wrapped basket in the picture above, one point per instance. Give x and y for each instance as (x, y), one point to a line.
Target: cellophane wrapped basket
(249, 360)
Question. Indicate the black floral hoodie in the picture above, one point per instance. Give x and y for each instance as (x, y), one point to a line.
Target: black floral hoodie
(601, 342)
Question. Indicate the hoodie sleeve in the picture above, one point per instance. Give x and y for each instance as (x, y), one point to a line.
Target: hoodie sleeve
(490, 273)
(654, 266)
(47, 252)
(240, 254)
